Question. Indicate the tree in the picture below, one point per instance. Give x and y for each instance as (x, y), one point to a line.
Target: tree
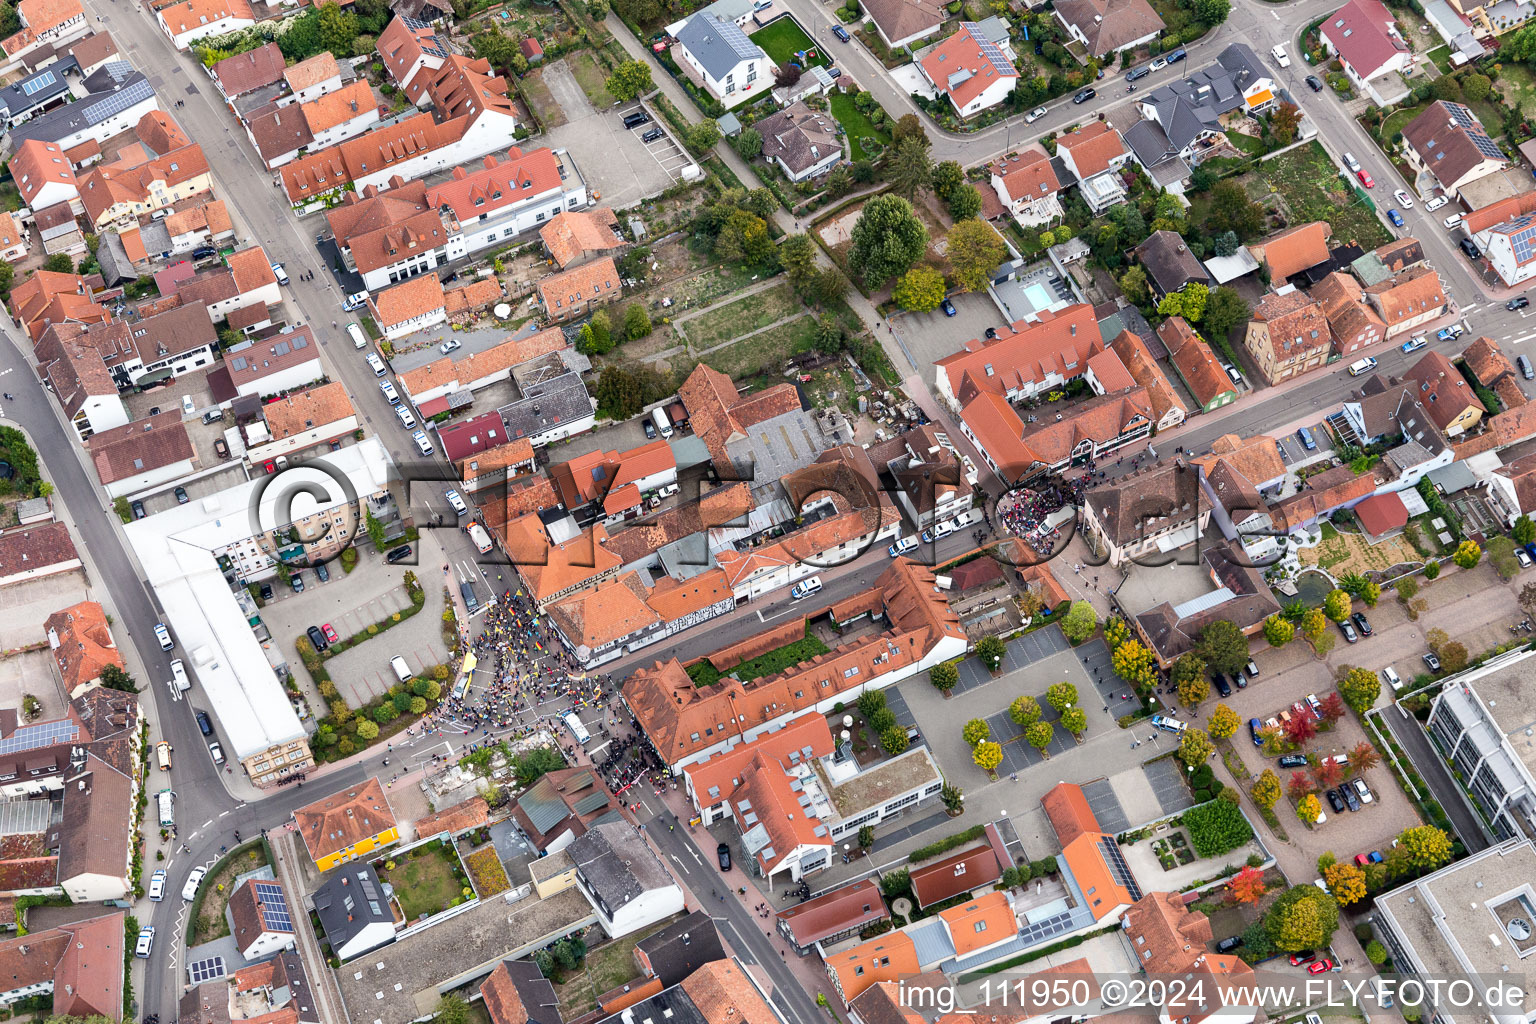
(1079, 622)
(909, 126)
(1224, 244)
(1232, 210)
(866, 837)
(1327, 773)
(1133, 663)
(1422, 848)
(1025, 711)
(1360, 687)
(987, 756)
(1247, 886)
(748, 144)
(1308, 808)
(975, 249)
(1266, 789)
(1039, 736)
(1224, 722)
(1134, 283)
(1074, 720)
(367, 730)
(1195, 746)
(965, 203)
(797, 255)
(909, 169)
(947, 179)
(1332, 708)
(1116, 632)
(887, 239)
(338, 28)
(952, 798)
(7, 275)
(786, 76)
(1304, 917)
(59, 263)
(870, 703)
(1346, 882)
(637, 322)
(1363, 757)
(1299, 729)
(1189, 679)
(1524, 531)
(1475, 87)
(1285, 122)
(976, 731)
(1211, 12)
(1370, 594)
(991, 650)
(944, 676)
(1314, 625)
(1336, 605)
(1061, 696)
(114, 678)
(894, 740)
(1278, 631)
(920, 289)
(618, 393)
(1299, 785)
(1431, 570)
(702, 135)
(1467, 554)
(1188, 302)
(452, 1010)
(1222, 646)
(630, 79)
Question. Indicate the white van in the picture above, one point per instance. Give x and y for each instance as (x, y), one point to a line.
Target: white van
(1365, 365)
(663, 425)
(805, 588)
(968, 518)
(422, 444)
(166, 801)
(390, 394)
(457, 503)
(402, 670)
(179, 680)
(573, 722)
(404, 416)
(1390, 676)
(359, 340)
(1281, 57)
(377, 364)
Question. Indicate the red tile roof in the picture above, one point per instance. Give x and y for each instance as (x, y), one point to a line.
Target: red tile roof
(125, 452)
(411, 298)
(961, 872)
(82, 644)
(1359, 31)
(1066, 806)
(962, 55)
(249, 71)
(341, 820)
(1025, 355)
(573, 289)
(1027, 178)
(497, 184)
(847, 908)
(1382, 512)
(1292, 251)
(1093, 147)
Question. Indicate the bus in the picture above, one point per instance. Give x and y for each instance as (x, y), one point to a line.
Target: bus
(573, 722)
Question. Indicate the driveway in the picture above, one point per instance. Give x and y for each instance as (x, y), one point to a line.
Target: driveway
(619, 169)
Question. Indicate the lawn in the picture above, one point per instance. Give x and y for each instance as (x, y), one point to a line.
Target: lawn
(606, 968)
(782, 38)
(1247, 143)
(215, 891)
(591, 79)
(747, 357)
(1309, 186)
(1441, 58)
(1516, 84)
(428, 881)
(549, 113)
(1398, 120)
(743, 316)
(857, 126)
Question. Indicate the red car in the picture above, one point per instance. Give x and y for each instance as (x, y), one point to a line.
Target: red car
(1320, 967)
(270, 466)
(1365, 178)
(1362, 859)
(1306, 956)
(330, 634)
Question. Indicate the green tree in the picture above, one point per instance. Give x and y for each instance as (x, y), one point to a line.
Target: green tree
(1224, 722)
(1025, 711)
(1116, 632)
(947, 179)
(1211, 12)
(1431, 570)
(1370, 594)
(920, 289)
(1079, 622)
(1074, 720)
(974, 249)
(637, 322)
(1422, 848)
(991, 651)
(1195, 746)
(1314, 624)
(944, 676)
(1476, 87)
(120, 504)
(1524, 530)
(1467, 554)
(748, 144)
(866, 837)
(338, 28)
(1133, 663)
(375, 529)
(987, 756)
(1308, 808)
(630, 79)
(1061, 696)
(1304, 917)
(1360, 687)
(1189, 679)
(1345, 881)
(886, 240)
(1336, 605)
(114, 678)
(1278, 631)
(452, 1010)
(797, 255)
(965, 203)
(618, 393)
(909, 126)
(367, 730)
(59, 263)
(702, 135)
(1232, 210)
(7, 276)
(976, 731)
(1134, 283)
(1222, 646)
(894, 740)
(1039, 736)
(909, 169)
(1223, 311)
(1266, 789)
(1188, 302)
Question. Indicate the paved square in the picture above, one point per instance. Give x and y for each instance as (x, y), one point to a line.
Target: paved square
(1106, 806)
(1022, 653)
(1166, 779)
(1018, 754)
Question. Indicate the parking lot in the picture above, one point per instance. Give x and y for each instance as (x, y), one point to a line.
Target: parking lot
(930, 337)
(619, 169)
(1293, 452)
(1021, 653)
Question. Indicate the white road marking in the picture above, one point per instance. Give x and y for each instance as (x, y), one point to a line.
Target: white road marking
(680, 864)
(205, 824)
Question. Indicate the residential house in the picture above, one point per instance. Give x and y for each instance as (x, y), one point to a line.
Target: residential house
(516, 992)
(834, 915)
(1325, 493)
(1445, 394)
(1493, 370)
(410, 306)
(347, 825)
(49, 297)
(1173, 940)
(970, 70)
(621, 877)
(1288, 335)
(15, 241)
(1293, 251)
(44, 176)
(43, 23)
(1150, 512)
(249, 71)
(722, 59)
(1196, 365)
(262, 921)
(504, 198)
(572, 237)
(467, 303)
(32, 94)
(116, 97)
(75, 374)
(560, 807)
(115, 195)
(958, 874)
(34, 553)
(91, 51)
(803, 142)
(1169, 264)
(1024, 360)
(280, 131)
(1109, 26)
(673, 954)
(1363, 35)
(1240, 596)
(142, 454)
(81, 646)
(1409, 300)
(303, 419)
(81, 965)
(1448, 142)
(275, 364)
(1192, 112)
(1026, 185)
(573, 293)
(312, 78)
(1352, 320)
(1168, 409)
(354, 911)
(155, 347)
(190, 20)
(1511, 489)
(411, 51)
(248, 281)
(621, 615)
(1394, 417)
(1094, 153)
(478, 370)
(903, 22)
(1507, 248)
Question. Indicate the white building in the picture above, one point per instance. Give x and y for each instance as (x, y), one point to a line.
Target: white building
(972, 71)
(732, 67)
(273, 365)
(624, 881)
(412, 305)
(353, 910)
(187, 22)
(1507, 248)
(1363, 34)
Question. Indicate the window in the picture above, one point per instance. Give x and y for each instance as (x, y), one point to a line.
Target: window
(858, 972)
(885, 961)
(981, 926)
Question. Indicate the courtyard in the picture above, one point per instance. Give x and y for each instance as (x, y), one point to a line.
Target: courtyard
(427, 879)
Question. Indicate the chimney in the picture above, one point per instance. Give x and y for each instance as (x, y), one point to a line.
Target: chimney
(459, 174)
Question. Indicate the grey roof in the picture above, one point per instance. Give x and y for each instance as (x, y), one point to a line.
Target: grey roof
(1243, 64)
(730, 124)
(1149, 143)
(111, 88)
(1169, 262)
(113, 258)
(349, 901)
(716, 43)
(682, 947)
(156, 238)
(1194, 105)
(1458, 476)
(671, 1006)
(993, 28)
(39, 87)
(534, 991)
(543, 805)
(616, 865)
(544, 405)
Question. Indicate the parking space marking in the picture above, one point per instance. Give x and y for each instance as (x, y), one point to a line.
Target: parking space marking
(1105, 806)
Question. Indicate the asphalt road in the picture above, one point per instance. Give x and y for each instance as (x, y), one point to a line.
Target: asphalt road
(1432, 769)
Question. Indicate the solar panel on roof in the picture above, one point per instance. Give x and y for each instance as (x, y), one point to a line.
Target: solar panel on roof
(280, 349)
(44, 734)
(238, 363)
(1119, 868)
(990, 50)
(117, 102)
(39, 83)
(210, 969)
(274, 907)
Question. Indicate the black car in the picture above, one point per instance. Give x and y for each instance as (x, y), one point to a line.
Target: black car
(1135, 73)
(181, 496)
(138, 510)
(1222, 686)
(203, 723)
(266, 591)
(1518, 302)
(204, 252)
(1229, 943)
(317, 638)
(1084, 95)
(723, 855)
(1176, 56)
(296, 581)
(1361, 623)
(1293, 761)
(323, 573)
(1314, 83)
(1470, 248)
(399, 554)
(1335, 801)
(650, 430)
(1348, 793)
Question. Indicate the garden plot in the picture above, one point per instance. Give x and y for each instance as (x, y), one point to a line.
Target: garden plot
(1304, 185)
(752, 312)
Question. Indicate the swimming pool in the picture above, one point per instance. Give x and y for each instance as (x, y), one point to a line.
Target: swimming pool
(1038, 295)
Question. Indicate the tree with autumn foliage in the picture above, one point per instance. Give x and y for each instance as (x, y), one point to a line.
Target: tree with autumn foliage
(1299, 729)
(1189, 678)
(1422, 848)
(1299, 785)
(1266, 789)
(1247, 886)
(1133, 663)
(1284, 122)
(1363, 757)
(1346, 882)
(1327, 773)
(1224, 722)
(1332, 708)
(1308, 808)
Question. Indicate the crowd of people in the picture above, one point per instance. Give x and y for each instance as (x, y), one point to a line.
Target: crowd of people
(1024, 512)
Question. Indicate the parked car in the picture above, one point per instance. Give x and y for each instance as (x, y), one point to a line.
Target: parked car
(145, 943)
(948, 307)
(841, 33)
(1229, 943)
(1084, 95)
(1396, 218)
(1251, 670)
(1365, 178)
(1303, 956)
(650, 431)
(266, 591)
(902, 546)
(1350, 636)
(723, 855)
(1523, 558)
(1136, 74)
(204, 724)
(323, 573)
(1361, 623)
(157, 885)
(216, 752)
(195, 879)
(221, 447)
(1350, 799)
(1315, 83)
(1470, 248)
(1320, 967)
(1432, 662)
(1403, 199)
(317, 638)
(1335, 801)
(1362, 790)
(181, 495)
(399, 554)
(1159, 64)
(1293, 761)
(448, 346)
(138, 510)
(1176, 56)
(1034, 115)
(1222, 686)
(296, 581)
(1450, 333)
(1436, 203)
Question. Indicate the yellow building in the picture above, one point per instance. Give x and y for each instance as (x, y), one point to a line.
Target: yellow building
(347, 825)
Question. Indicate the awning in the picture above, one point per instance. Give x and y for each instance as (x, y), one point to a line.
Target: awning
(157, 377)
(1179, 538)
